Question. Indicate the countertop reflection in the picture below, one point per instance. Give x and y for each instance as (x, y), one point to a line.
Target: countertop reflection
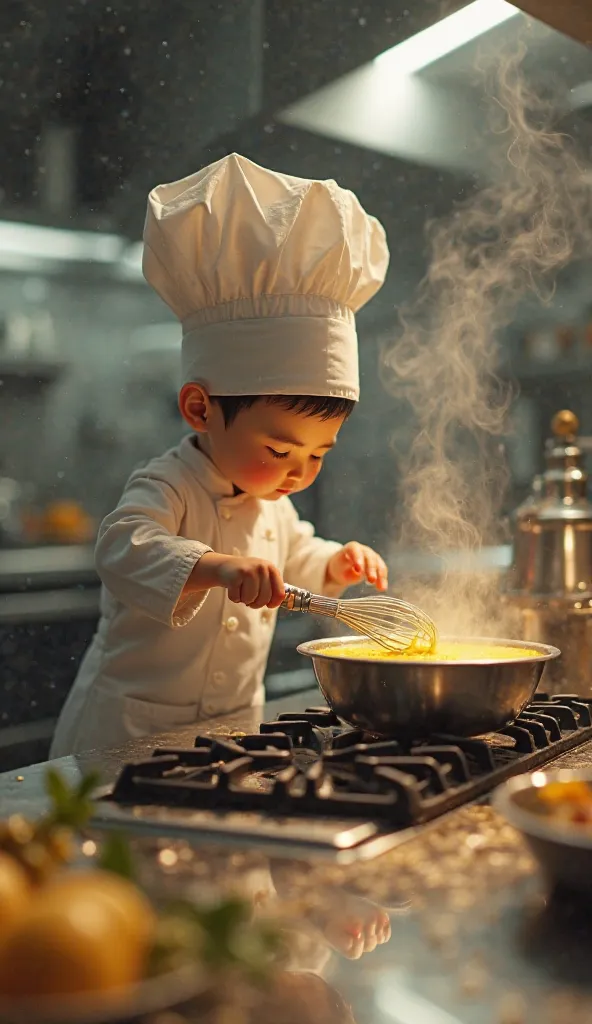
(452, 926)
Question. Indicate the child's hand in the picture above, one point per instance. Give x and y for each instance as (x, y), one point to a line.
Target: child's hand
(358, 929)
(353, 925)
(251, 581)
(356, 563)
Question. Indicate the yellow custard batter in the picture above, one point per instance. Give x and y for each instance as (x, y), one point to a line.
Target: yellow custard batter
(446, 650)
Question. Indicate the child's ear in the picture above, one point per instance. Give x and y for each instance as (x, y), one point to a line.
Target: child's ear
(195, 406)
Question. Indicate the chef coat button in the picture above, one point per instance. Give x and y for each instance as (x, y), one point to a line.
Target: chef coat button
(219, 678)
(226, 513)
(269, 535)
(266, 615)
(231, 624)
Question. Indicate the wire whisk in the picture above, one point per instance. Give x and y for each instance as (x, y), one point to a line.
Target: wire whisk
(395, 625)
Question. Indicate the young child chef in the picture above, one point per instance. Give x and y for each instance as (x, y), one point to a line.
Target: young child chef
(265, 272)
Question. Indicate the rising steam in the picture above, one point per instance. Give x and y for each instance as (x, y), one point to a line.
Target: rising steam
(509, 239)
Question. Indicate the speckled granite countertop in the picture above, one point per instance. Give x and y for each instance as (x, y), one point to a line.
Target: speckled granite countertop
(475, 939)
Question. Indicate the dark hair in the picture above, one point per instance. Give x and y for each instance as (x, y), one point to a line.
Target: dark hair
(324, 406)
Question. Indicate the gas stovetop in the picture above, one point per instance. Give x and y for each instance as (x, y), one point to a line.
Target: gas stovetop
(311, 783)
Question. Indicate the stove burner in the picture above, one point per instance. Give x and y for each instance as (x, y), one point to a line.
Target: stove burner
(309, 764)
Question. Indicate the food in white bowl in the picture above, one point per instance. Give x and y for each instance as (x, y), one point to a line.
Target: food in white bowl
(553, 811)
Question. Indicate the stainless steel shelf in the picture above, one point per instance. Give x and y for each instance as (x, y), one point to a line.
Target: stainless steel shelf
(578, 370)
(33, 371)
(47, 567)
(49, 606)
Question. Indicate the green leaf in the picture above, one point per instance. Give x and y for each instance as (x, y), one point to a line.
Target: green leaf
(57, 788)
(178, 942)
(226, 917)
(116, 856)
(220, 936)
(71, 806)
(88, 784)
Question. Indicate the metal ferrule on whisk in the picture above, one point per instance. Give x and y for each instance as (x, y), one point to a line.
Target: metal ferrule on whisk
(395, 625)
(297, 600)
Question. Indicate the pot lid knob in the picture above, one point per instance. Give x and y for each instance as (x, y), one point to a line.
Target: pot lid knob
(565, 478)
(565, 424)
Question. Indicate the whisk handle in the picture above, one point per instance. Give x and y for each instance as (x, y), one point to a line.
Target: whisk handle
(297, 600)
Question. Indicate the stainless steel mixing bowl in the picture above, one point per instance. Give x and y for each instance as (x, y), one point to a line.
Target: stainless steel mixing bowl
(423, 698)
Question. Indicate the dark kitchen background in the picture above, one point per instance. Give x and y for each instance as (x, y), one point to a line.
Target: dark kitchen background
(101, 101)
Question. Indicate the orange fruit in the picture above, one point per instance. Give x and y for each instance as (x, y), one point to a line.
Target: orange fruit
(131, 908)
(15, 894)
(88, 932)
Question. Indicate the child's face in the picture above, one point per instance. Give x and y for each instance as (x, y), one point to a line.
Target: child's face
(267, 451)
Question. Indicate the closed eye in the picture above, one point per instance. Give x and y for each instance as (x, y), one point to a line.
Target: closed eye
(278, 455)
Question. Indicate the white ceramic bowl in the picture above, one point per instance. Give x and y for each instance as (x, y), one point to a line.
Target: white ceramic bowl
(563, 851)
(156, 995)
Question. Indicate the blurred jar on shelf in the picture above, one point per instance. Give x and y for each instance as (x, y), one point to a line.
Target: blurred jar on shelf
(16, 500)
(66, 522)
(541, 345)
(566, 340)
(60, 522)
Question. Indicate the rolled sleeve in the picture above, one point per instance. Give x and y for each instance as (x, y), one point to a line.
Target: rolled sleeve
(141, 560)
(308, 556)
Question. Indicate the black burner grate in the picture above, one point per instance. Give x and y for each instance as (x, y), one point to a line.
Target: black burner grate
(310, 764)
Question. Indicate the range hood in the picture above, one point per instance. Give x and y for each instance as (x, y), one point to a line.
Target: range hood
(572, 17)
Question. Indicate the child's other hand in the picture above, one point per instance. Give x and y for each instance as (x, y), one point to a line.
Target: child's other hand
(251, 581)
(356, 563)
(357, 927)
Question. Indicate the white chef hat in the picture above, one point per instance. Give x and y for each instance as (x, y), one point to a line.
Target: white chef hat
(265, 272)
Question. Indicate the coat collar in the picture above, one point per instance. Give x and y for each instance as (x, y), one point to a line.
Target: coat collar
(220, 489)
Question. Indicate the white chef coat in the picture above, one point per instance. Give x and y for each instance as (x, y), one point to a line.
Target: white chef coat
(158, 663)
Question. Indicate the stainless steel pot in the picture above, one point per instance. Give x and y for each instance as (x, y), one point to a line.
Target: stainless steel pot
(550, 583)
(568, 626)
(423, 698)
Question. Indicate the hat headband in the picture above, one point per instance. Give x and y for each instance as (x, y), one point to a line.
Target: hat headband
(273, 345)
